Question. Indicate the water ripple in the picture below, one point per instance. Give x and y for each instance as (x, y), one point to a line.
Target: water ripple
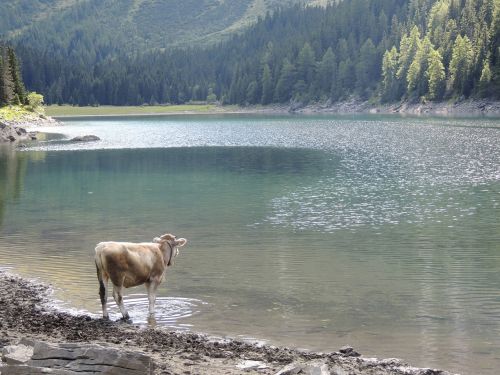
(169, 311)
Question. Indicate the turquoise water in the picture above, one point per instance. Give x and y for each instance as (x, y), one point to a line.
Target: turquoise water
(378, 232)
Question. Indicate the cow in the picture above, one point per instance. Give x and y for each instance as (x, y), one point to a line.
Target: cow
(131, 264)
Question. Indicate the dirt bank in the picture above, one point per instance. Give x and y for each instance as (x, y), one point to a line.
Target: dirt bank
(25, 312)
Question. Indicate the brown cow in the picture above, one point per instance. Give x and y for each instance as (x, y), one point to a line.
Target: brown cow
(131, 264)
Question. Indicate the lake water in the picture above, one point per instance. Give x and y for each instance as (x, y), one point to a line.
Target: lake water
(378, 232)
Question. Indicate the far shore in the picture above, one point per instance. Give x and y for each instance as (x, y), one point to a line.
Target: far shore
(481, 107)
(66, 111)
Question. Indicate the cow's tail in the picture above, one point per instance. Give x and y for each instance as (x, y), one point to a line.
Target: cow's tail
(100, 269)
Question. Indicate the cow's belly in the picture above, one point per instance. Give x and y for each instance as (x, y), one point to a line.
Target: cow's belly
(134, 280)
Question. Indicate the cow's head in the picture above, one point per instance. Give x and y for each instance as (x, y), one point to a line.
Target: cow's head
(169, 243)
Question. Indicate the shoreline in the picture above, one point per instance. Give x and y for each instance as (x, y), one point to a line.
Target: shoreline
(464, 108)
(21, 126)
(26, 314)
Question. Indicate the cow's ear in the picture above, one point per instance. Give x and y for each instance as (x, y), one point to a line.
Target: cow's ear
(167, 237)
(180, 242)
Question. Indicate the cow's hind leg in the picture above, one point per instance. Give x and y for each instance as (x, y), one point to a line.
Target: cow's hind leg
(103, 292)
(117, 295)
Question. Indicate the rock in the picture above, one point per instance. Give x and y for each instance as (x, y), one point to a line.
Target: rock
(290, 369)
(11, 138)
(17, 354)
(85, 138)
(252, 365)
(348, 351)
(30, 370)
(65, 359)
(311, 368)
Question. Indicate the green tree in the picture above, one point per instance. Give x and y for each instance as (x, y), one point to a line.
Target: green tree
(34, 102)
(284, 87)
(253, 92)
(408, 48)
(460, 66)
(391, 85)
(267, 85)
(18, 85)
(306, 64)
(7, 93)
(416, 77)
(326, 72)
(436, 76)
(367, 68)
(485, 79)
(211, 97)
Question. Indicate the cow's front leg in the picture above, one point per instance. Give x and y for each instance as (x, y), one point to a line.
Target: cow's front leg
(151, 288)
(117, 295)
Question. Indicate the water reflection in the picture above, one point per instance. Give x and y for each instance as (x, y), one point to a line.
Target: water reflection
(13, 167)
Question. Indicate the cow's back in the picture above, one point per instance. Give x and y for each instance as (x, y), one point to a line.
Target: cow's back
(128, 263)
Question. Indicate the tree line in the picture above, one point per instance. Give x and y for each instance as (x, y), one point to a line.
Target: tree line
(384, 50)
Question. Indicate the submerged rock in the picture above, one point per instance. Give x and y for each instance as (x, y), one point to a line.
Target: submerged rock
(85, 138)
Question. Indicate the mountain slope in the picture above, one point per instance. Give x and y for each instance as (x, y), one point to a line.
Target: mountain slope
(129, 24)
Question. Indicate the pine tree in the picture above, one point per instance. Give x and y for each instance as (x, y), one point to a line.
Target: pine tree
(306, 64)
(284, 87)
(391, 85)
(460, 66)
(267, 85)
(416, 77)
(367, 68)
(7, 93)
(436, 76)
(485, 80)
(327, 69)
(407, 50)
(18, 85)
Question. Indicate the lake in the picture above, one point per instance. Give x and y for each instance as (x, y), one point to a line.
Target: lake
(381, 232)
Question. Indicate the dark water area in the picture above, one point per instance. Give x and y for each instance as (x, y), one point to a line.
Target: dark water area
(378, 232)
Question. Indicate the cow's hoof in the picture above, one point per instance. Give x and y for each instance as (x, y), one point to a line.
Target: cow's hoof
(152, 320)
(125, 319)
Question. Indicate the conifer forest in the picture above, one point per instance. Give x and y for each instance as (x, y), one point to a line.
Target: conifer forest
(380, 50)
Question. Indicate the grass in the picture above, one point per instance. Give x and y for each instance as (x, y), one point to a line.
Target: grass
(16, 113)
(67, 110)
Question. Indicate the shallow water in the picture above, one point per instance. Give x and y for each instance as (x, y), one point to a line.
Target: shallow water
(378, 232)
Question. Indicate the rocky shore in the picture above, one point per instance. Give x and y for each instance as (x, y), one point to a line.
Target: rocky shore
(475, 107)
(37, 339)
(15, 130)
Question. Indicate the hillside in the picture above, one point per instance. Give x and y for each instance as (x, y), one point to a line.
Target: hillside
(128, 24)
(378, 50)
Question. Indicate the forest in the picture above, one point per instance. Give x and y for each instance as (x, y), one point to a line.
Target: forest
(379, 50)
